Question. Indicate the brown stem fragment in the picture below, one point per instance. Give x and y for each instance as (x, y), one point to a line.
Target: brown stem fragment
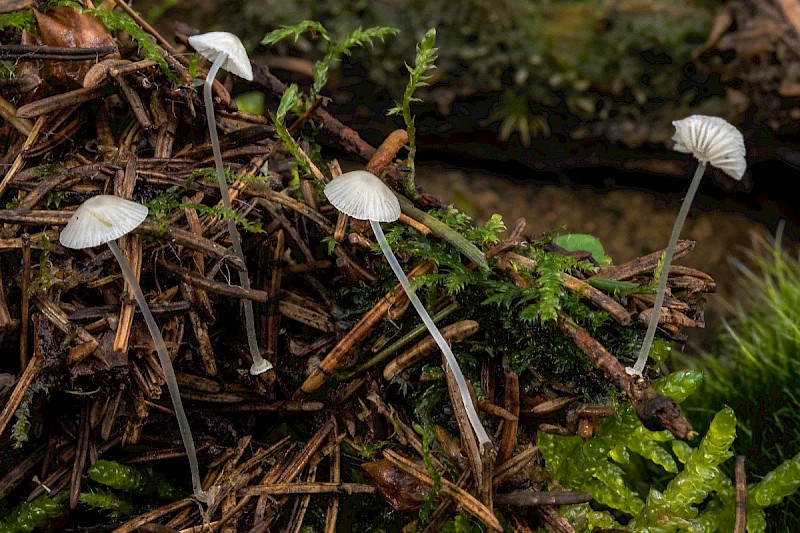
(360, 331)
(453, 333)
(740, 520)
(530, 498)
(642, 265)
(386, 152)
(461, 497)
(655, 410)
(508, 439)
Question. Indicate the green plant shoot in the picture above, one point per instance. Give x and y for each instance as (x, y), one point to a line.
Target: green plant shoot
(418, 76)
(290, 100)
(334, 48)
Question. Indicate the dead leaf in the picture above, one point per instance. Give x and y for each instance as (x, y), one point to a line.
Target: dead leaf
(69, 28)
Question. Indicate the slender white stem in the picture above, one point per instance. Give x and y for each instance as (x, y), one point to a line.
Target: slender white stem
(638, 368)
(260, 365)
(166, 366)
(483, 439)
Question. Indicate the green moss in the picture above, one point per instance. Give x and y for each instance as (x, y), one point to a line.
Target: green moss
(28, 516)
(19, 431)
(693, 494)
(754, 367)
(19, 20)
(417, 77)
(121, 22)
(335, 48)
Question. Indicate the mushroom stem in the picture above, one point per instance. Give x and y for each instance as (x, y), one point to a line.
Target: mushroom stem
(647, 343)
(260, 365)
(483, 439)
(166, 366)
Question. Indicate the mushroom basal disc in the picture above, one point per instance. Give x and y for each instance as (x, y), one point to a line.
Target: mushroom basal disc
(101, 219)
(363, 196)
(210, 45)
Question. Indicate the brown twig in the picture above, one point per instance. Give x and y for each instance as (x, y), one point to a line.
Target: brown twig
(17, 164)
(358, 333)
(60, 101)
(294, 467)
(654, 409)
(514, 466)
(616, 311)
(480, 457)
(58, 53)
(530, 498)
(273, 313)
(169, 234)
(132, 248)
(81, 449)
(319, 487)
(642, 265)
(508, 439)
(332, 513)
(386, 152)
(215, 287)
(452, 333)
(740, 521)
(461, 497)
(24, 381)
(24, 313)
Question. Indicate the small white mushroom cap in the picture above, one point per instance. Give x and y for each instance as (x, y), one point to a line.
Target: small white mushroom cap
(101, 219)
(712, 140)
(362, 195)
(210, 45)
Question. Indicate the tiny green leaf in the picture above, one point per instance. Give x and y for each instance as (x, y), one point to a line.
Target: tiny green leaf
(574, 242)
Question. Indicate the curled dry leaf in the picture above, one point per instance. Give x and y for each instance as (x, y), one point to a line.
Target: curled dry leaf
(69, 28)
(401, 491)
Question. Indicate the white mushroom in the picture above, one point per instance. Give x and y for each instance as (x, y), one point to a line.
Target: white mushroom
(226, 51)
(710, 140)
(225, 47)
(103, 219)
(364, 196)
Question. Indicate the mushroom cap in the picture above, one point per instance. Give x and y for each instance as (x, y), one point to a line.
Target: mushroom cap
(101, 219)
(712, 140)
(210, 45)
(363, 196)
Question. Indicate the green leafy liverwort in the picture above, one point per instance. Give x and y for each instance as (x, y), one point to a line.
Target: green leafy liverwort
(698, 497)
